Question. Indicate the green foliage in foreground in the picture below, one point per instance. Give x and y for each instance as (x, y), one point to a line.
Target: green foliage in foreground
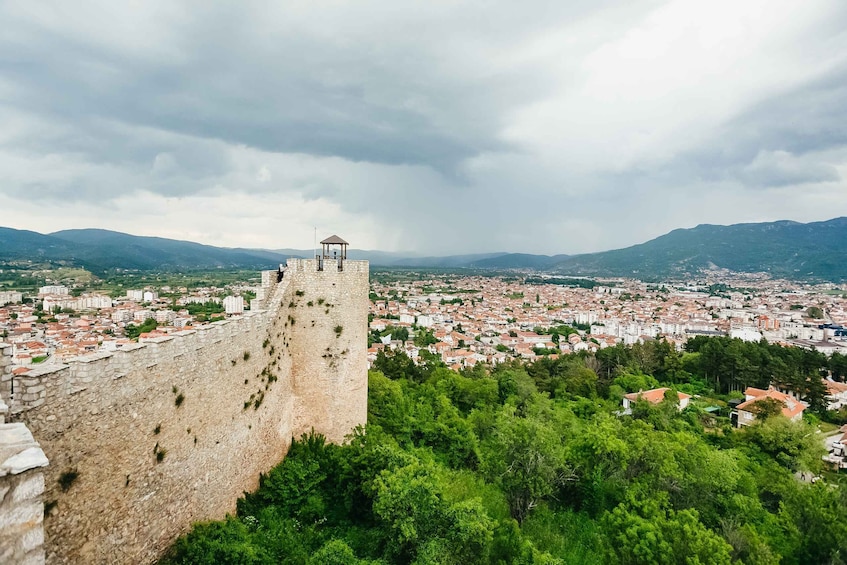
(132, 331)
(482, 468)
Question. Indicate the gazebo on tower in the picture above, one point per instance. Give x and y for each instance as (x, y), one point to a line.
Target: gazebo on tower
(333, 248)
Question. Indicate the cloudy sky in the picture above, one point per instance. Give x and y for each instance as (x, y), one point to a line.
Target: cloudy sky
(440, 127)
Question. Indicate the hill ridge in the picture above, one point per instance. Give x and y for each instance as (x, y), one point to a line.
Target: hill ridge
(783, 249)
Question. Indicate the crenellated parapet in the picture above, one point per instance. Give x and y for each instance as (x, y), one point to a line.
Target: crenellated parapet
(49, 386)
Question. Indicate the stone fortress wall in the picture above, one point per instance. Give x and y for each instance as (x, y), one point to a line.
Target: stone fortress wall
(144, 441)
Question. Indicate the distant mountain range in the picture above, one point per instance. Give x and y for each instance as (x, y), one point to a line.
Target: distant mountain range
(816, 250)
(101, 250)
(783, 249)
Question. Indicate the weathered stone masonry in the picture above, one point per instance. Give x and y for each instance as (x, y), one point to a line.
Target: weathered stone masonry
(150, 439)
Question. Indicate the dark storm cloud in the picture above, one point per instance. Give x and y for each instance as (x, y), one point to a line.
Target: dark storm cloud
(288, 91)
(447, 127)
(781, 141)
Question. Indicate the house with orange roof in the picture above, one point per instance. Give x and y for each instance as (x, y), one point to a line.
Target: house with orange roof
(791, 407)
(836, 394)
(653, 396)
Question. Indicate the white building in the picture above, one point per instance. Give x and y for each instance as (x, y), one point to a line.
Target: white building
(199, 299)
(745, 334)
(93, 302)
(234, 304)
(425, 321)
(122, 315)
(54, 289)
(150, 296)
(136, 295)
(165, 316)
(586, 317)
(142, 315)
(10, 297)
(52, 301)
(85, 302)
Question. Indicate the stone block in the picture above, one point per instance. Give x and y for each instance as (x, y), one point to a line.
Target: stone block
(29, 489)
(25, 514)
(35, 558)
(32, 539)
(29, 458)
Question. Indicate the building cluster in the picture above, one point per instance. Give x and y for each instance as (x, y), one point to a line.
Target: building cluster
(460, 320)
(489, 319)
(57, 324)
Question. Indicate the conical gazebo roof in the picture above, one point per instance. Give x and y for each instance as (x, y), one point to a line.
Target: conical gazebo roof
(334, 240)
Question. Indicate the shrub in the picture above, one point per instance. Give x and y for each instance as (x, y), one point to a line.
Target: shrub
(67, 479)
(338, 330)
(180, 398)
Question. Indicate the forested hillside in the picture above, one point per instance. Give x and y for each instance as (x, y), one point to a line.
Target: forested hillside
(783, 249)
(531, 464)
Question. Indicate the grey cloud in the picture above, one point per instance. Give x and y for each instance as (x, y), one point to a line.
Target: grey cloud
(394, 115)
(781, 168)
(772, 143)
(290, 91)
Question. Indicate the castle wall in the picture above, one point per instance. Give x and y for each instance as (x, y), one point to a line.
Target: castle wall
(174, 430)
(21, 507)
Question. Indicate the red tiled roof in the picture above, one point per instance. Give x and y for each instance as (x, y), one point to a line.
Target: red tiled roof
(791, 406)
(834, 387)
(653, 396)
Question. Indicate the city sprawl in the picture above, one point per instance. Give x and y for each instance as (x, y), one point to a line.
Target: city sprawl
(462, 320)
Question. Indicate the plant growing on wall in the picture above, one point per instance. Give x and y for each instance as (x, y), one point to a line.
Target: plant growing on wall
(338, 330)
(67, 479)
(180, 398)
